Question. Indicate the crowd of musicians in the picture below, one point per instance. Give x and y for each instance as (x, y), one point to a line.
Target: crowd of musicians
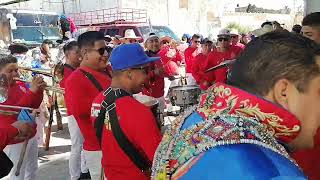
(257, 119)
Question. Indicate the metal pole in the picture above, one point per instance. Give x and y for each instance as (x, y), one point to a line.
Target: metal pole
(168, 12)
(63, 8)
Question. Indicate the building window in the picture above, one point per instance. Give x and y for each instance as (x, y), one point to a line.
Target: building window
(183, 4)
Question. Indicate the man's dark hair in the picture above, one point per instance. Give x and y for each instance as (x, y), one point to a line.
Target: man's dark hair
(312, 20)
(296, 28)
(206, 41)
(196, 36)
(88, 39)
(69, 46)
(47, 41)
(18, 48)
(266, 23)
(7, 59)
(274, 56)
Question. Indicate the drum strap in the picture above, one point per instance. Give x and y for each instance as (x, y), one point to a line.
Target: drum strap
(93, 80)
(109, 106)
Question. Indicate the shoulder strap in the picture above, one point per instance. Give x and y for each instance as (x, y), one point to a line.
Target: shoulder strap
(109, 110)
(99, 123)
(69, 66)
(92, 79)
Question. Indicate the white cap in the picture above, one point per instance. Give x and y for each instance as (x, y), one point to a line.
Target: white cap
(224, 31)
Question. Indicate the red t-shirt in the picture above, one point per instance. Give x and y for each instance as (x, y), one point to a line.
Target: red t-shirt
(171, 58)
(309, 160)
(189, 58)
(214, 58)
(67, 70)
(139, 125)
(198, 70)
(19, 95)
(240, 46)
(7, 133)
(79, 94)
(154, 86)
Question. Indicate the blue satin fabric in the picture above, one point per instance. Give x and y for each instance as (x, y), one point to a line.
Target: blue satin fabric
(241, 162)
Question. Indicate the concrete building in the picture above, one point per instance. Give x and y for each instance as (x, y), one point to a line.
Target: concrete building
(182, 16)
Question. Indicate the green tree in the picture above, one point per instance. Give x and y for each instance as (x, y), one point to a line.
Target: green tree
(240, 28)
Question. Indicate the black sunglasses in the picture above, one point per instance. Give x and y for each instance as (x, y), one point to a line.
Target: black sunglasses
(102, 50)
(223, 39)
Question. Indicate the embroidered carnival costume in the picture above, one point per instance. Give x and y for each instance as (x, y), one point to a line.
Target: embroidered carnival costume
(231, 134)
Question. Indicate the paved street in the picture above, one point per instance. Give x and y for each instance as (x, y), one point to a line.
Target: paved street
(53, 164)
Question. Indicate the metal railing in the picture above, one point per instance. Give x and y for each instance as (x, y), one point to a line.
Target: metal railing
(109, 16)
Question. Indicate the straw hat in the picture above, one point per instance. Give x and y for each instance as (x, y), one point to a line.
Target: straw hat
(130, 34)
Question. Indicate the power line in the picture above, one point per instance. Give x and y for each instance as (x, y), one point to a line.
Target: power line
(12, 2)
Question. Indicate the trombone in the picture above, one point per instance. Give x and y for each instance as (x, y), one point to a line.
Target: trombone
(48, 88)
(9, 112)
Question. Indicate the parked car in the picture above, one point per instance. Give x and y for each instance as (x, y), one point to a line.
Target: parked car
(115, 21)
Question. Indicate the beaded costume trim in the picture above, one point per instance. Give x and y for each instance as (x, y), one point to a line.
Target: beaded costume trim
(223, 99)
(231, 116)
(179, 150)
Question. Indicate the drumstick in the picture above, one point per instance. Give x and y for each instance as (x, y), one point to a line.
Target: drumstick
(221, 65)
(23, 152)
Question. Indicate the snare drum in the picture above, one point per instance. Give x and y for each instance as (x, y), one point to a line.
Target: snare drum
(153, 104)
(178, 82)
(184, 95)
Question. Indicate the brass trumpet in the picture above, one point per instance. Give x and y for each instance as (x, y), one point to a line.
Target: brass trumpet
(48, 88)
(46, 72)
(56, 73)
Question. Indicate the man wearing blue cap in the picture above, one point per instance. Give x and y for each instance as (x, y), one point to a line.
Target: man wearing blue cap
(126, 128)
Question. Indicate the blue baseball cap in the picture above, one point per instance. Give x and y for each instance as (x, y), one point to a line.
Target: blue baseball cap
(129, 55)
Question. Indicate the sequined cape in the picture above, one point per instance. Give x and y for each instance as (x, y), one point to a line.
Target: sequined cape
(231, 134)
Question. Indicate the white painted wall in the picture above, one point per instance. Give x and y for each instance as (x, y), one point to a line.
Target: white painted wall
(311, 6)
